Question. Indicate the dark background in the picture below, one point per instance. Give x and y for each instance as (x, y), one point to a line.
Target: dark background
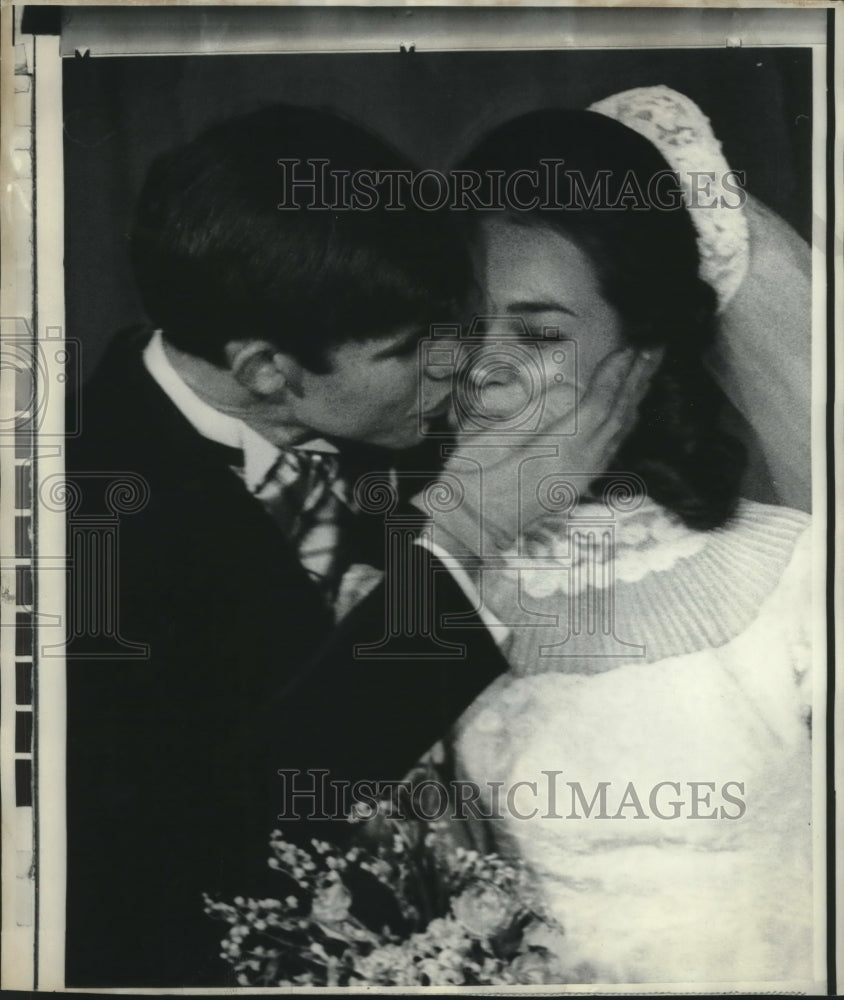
(119, 113)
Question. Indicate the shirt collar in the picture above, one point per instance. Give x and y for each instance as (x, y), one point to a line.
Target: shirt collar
(259, 454)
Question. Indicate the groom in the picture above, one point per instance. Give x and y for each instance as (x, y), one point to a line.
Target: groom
(282, 368)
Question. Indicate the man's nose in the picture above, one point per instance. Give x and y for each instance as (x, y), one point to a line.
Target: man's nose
(436, 390)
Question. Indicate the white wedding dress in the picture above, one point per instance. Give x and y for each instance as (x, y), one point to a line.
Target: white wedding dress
(719, 695)
(667, 655)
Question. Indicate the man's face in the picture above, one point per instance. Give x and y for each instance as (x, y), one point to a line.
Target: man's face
(372, 393)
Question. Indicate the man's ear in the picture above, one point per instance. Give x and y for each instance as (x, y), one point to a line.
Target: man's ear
(263, 369)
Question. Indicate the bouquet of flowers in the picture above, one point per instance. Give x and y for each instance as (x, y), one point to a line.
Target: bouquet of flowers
(453, 917)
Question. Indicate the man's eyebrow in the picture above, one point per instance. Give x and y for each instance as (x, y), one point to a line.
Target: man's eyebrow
(535, 306)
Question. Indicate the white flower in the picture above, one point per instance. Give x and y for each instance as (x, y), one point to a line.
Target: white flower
(331, 903)
(484, 910)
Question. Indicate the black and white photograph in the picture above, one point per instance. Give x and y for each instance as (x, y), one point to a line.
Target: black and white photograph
(418, 533)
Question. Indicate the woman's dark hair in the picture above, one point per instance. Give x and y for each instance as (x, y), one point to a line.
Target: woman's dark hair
(255, 228)
(612, 193)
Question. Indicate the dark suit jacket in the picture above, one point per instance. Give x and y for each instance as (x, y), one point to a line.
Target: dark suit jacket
(173, 759)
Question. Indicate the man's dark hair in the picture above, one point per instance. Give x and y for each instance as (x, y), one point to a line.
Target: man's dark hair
(216, 259)
(648, 264)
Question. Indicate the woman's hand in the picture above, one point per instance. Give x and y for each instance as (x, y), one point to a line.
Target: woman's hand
(500, 473)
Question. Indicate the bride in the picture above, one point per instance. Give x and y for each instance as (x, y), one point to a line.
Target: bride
(654, 728)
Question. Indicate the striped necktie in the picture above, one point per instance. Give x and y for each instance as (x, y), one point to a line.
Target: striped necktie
(306, 496)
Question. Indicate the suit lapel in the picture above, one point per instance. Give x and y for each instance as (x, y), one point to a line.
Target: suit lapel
(195, 498)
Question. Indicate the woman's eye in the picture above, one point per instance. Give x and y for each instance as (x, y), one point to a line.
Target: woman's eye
(546, 333)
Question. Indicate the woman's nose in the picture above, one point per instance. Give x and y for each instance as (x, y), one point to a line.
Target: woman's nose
(491, 367)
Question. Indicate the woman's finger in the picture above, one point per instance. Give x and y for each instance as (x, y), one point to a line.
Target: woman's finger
(611, 373)
(639, 378)
(598, 406)
(620, 414)
(620, 411)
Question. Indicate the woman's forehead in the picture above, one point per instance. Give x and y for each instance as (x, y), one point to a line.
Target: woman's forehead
(534, 261)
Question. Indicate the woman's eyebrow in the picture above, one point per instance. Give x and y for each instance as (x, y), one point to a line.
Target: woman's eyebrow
(534, 306)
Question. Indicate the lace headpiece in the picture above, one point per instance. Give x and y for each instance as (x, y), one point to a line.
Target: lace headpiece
(683, 135)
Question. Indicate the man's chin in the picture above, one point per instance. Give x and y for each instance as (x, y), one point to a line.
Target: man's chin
(420, 432)
(379, 447)
(407, 442)
(401, 438)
